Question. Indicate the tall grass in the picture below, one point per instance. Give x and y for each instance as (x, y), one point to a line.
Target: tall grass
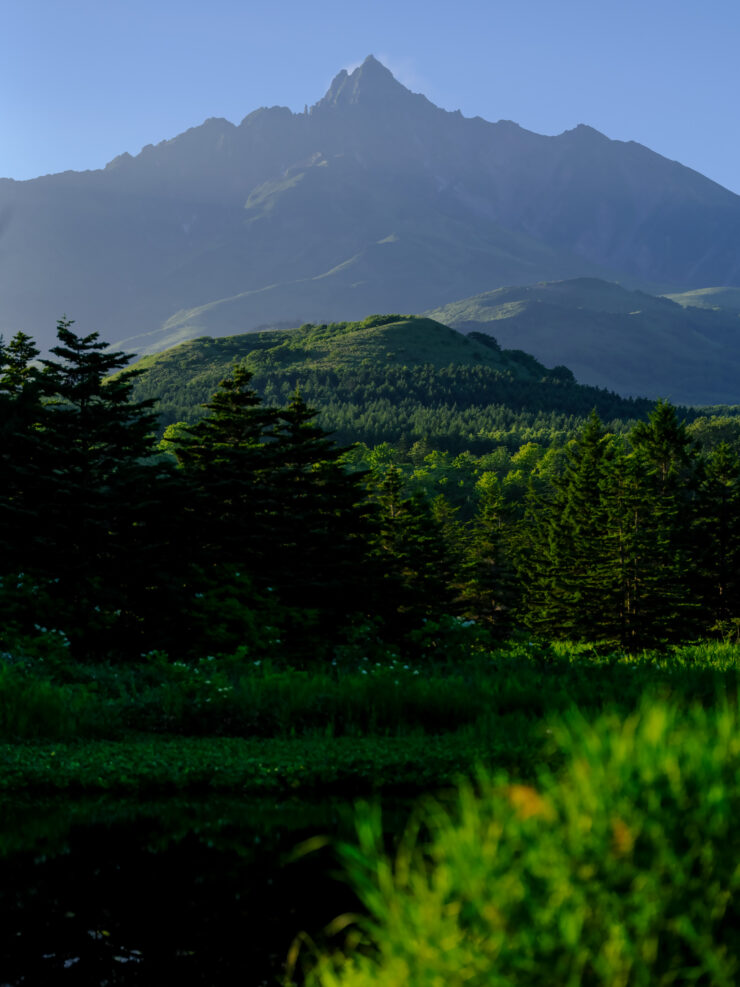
(35, 707)
(621, 870)
(519, 685)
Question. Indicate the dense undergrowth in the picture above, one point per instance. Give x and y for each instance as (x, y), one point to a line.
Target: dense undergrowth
(232, 722)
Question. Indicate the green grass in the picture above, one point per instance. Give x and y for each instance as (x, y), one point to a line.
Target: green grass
(620, 869)
(231, 724)
(155, 764)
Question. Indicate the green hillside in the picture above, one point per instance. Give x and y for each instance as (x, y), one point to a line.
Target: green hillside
(628, 341)
(392, 378)
(383, 340)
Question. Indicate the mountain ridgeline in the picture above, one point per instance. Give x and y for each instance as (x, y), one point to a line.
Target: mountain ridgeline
(683, 347)
(373, 199)
(392, 378)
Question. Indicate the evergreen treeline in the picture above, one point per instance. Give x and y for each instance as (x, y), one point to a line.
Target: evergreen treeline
(456, 408)
(389, 378)
(257, 534)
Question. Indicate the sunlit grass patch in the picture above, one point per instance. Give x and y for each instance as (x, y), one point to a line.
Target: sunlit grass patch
(622, 869)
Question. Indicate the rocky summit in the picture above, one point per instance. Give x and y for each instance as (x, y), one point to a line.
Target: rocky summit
(371, 200)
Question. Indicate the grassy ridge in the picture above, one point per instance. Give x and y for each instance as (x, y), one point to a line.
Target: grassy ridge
(383, 379)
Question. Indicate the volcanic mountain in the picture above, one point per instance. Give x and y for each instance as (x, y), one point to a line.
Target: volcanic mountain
(372, 200)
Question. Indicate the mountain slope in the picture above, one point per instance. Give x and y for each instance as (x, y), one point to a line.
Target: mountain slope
(627, 341)
(373, 200)
(718, 299)
(388, 378)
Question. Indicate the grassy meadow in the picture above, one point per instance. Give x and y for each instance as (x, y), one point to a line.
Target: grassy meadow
(366, 722)
(576, 814)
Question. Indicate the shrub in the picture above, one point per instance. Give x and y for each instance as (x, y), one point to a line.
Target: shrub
(33, 707)
(622, 870)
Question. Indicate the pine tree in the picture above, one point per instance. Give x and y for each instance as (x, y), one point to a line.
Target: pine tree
(716, 539)
(229, 459)
(272, 500)
(659, 500)
(487, 580)
(22, 451)
(321, 533)
(410, 549)
(565, 561)
(99, 476)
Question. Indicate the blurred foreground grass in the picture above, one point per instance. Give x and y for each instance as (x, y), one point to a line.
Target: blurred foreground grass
(623, 868)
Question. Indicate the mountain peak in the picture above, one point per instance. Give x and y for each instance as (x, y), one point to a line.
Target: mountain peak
(368, 84)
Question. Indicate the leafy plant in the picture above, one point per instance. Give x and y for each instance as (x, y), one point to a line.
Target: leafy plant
(620, 870)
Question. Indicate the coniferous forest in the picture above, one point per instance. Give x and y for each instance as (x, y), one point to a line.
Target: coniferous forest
(254, 515)
(244, 605)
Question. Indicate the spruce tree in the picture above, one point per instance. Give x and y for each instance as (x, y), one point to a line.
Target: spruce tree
(229, 460)
(487, 580)
(23, 453)
(660, 502)
(321, 532)
(564, 554)
(272, 502)
(99, 475)
(410, 549)
(716, 540)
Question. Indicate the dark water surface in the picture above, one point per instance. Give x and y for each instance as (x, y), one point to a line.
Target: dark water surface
(173, 892)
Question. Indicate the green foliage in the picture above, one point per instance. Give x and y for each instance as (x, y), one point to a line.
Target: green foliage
(717, 537)
(251, 529)
(410, 550)
(606, 553)
(32, 707)
(381, 380)
(166, 765)
(620, 870)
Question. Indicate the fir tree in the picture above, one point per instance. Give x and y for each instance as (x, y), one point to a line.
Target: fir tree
(321, 533)
(564, 554)
(21, 447)
(487, 581)
(716, 537)
(98, 474)
(660, 500)
(228, 458)
(410, 548)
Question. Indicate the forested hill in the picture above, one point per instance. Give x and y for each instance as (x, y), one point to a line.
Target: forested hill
(394, 378)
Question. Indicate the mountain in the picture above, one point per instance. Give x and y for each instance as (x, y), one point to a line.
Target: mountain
(394, 378)
(372, 200)
(717, 299)
(628, 341)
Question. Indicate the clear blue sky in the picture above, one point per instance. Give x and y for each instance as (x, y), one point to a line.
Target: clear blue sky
(84, 80)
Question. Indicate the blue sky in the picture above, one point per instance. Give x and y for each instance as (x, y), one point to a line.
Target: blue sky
(84, 80)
